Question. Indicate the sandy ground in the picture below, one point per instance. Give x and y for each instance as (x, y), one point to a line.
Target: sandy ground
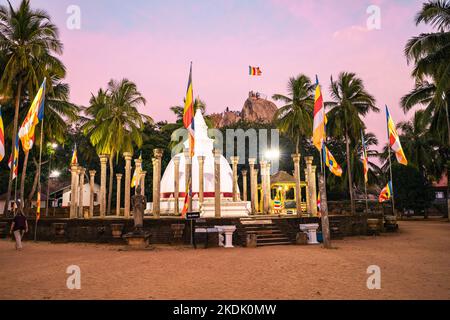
(414, 265)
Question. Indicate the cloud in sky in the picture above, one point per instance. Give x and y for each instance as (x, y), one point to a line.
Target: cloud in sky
(152, 43)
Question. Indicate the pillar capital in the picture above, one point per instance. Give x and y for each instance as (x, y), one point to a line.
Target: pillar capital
(234, 160)
(137, 162)
(127, 155)
(176, 159)
(313, 169)
(143, 173)
(252, 161)
(296, 157)
(74, 168)
(119, 176)
(82, 170)
(92, 173)
(244, 172)
(186, 153)
(201, 158)
(103, 158)
(309, 160)
(158, 153)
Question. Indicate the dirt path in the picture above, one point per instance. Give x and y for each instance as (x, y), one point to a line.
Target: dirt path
(414, 265)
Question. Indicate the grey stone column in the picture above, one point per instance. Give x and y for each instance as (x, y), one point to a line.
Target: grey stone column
(313, 191)
(142, 183)
(268, 188)
(201, 179)
(253, 186)
(265, 200)
(255, 191)
(103, 161)
(92, 192)
(119, 184)
(126, 210)
(235, 161)
(244, 185)
(188, 175)
(81, 193)
(73, 191)
(298, 191)
(157, 153)
(217, 195)
(137, 173)
(308, 203)
(176, 185)
(309, 161)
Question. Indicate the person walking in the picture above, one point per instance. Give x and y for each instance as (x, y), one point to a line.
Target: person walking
(19, 227)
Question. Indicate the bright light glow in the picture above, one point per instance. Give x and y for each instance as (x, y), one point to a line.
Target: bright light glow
(55, 174)
(272, 154)
(54, 145)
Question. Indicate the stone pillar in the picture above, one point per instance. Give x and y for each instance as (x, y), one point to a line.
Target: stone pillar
(73, 191)
(103, 161)
(77, 192)
(217, 196)
(142, 183)
(268, 188)
(235, 161)
(137, 173)
(308, 203)
(312, 179)
(81, 193)
(255, 191)
(201, 179)
(309, 161)
(92, 192)
(158, 153)
(188, 175)
(154, 174)
(253, 186)
(244, 185)
(265, 201)
(176, 185)
(126, 209)
(298, 191)
(119, 184)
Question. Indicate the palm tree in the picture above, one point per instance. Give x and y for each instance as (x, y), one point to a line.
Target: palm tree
(295, 118)
(115, 124)
(351, 101)
(27, 40)
(357, 167)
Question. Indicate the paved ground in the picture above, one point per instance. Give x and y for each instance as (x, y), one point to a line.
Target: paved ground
(414, 265)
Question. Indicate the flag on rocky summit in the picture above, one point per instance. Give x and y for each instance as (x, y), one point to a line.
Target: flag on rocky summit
(2, 137)
(34, 115)
(254, 71)
(386, 193)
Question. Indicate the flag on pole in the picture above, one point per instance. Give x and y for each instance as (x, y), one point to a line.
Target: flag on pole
(254, 71)
(330, 162)
(2, 137)
(394, 140)
(186, 199)
(134, 179)
(319, 118)
(13, 162)
(188, 115)
(74, 159)
(386, 193)
(365, 159)
(38, 206)
(34, 115)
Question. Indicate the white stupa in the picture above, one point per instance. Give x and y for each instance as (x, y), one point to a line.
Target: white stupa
(203, 147)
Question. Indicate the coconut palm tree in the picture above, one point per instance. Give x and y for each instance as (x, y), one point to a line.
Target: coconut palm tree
(27, 40)
(350, 102)
(295, 118)
(115, 124)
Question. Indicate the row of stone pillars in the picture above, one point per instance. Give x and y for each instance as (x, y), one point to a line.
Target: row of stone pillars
(77, 186)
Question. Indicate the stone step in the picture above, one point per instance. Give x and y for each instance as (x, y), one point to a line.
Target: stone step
(277, 243)
(271, 239)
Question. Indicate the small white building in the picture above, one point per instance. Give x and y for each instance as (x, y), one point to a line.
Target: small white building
(62, 197)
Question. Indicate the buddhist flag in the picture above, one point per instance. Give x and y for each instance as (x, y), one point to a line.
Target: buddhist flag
(188, 115)
(394, 140)
(2, 137)
(34, 115)
(318, 200)
(386, 193)
(330, 162)
(135, 179)
(365, 159)
(74, 159)
(186, 198)
(319, 118)
(254, 71)
(13, 162)
(38, 206)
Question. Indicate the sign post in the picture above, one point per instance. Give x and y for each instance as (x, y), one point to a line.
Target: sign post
(192, 216)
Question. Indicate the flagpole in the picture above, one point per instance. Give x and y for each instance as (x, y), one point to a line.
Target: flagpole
(39, 177)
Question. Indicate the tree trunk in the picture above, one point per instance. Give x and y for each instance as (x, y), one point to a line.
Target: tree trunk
(111, 178)
(22, 178)
(349, 171)
(324, 213)
(13, 139)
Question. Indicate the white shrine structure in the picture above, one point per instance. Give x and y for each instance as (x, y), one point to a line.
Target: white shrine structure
(203, 172)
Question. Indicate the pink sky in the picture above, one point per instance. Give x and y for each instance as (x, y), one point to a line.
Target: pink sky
(152, 43)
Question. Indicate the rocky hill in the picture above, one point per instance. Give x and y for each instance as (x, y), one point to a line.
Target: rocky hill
(255, 109)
